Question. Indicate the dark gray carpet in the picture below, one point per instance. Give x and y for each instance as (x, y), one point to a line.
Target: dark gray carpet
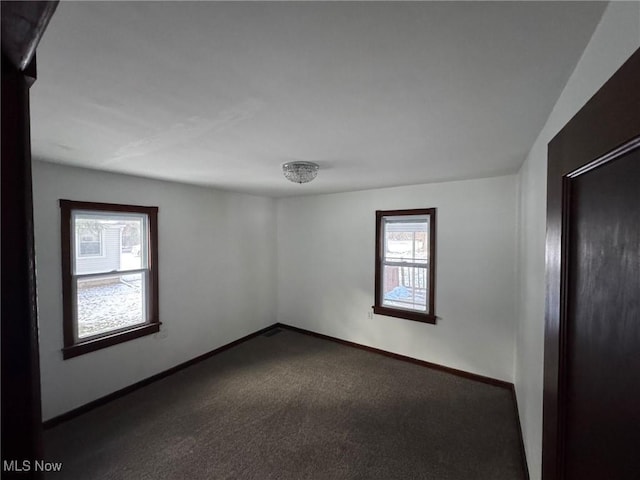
(291, 406)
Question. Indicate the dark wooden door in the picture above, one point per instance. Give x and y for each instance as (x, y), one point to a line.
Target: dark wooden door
(592, 337)
(603, 322)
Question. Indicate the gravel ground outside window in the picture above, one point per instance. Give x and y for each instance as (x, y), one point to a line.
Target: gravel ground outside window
(102, 308)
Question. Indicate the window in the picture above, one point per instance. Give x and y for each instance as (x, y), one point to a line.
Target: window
(110, 284)
(89, 242)
(405, 264)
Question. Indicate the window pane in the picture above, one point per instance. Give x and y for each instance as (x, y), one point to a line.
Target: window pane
(406, 240)
(109, 242)
(133, 251)
(405, 287)
(107, 303)
(90, 247)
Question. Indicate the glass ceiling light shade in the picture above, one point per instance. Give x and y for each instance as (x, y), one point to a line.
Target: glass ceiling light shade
(300, 172)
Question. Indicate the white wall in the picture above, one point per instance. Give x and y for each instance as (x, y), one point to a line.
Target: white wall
(614, 40)
(326, 247)
(216, 267)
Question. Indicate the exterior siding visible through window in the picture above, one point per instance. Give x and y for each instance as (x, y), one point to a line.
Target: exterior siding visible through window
(110, 252)
(405, 264)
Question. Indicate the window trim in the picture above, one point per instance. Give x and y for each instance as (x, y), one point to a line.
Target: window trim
(72, 347)
(378, 307)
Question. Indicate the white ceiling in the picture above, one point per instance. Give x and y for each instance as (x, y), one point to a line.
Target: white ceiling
(378, 93)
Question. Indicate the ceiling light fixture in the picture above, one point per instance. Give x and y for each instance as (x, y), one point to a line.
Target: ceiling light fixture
(300, 172)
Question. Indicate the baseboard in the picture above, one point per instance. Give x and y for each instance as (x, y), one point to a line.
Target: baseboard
(523, 452)
(52, 422)
(460, 373)
(434, 366)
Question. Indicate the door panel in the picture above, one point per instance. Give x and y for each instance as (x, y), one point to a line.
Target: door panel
(603, 322)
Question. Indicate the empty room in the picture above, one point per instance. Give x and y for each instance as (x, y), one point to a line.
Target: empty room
(320, 240)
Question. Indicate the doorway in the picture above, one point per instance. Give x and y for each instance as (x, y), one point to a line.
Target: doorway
(591, 424)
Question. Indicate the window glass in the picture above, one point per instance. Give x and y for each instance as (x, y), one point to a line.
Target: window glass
(89, 241)
(105, 304)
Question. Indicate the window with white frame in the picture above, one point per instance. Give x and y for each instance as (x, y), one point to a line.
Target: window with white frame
(405, 264)
(110, 286)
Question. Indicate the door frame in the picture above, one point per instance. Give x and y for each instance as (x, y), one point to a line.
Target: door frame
(23, 24)
(604, 129)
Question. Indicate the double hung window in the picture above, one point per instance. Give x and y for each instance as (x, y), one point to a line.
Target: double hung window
(405, 264)
(109, 273)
